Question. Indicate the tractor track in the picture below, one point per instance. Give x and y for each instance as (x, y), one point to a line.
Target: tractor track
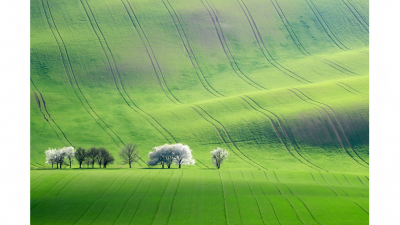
(189, 50)
(230, 139)
(66, 58)
(337, 120)
(327, 29)
(148, 53)
(331, 122)
(225, 142)
(259, 39)
(300, 46)
(279, 135)
(119, 77)
(363, 25)
(45, 109)
(222, 41)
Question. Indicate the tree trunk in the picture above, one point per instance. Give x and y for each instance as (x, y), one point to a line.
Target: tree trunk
(57, 165)
(52, 165)
(70, 164)
(163, 166)
(80, 164)
(169, 166)
(179, 166)
(104, 166)
(130, 165)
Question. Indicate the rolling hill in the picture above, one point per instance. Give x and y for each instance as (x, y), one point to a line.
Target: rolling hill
(283, 85)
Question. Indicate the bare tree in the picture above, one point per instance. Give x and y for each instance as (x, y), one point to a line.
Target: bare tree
(80, 155)
(129, 154)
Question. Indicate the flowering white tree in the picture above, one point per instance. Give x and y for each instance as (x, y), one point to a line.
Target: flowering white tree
(69, 154)
(218, 156)
(167, 154)
(183, 155)
(51, 157)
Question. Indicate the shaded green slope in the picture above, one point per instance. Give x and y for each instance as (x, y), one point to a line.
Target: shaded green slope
(281, 84)
(157, 196)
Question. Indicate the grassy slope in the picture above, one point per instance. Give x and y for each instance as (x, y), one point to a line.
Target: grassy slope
(282, 85)
(156, 196)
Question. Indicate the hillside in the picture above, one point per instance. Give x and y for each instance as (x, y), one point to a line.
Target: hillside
(282, 85)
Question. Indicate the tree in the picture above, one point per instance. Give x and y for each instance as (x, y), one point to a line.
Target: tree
(51, 156)
(218, 156)
(91, 156)
(129, 154)
(99, 157)
(182, 155)
(60, 155)
(69, 154)
(80, 155)
(167, 154)
(156, 157)
(107, 158)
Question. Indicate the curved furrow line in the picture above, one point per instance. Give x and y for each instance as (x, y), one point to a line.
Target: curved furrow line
(353, 89)
(355, 9)
(300, 46)
(333, 127)
(143, 197)
(44, 116)
(66, 58)
(251, 190)
(190, 54)
(347, 179)
(190, 48)
(112, 197)
(276, 186)
(362, 181)
(227, 134)
(223, 195)
(260, 39)
(273, 208)
(36, 177)
(367, 178)
(345, 197)
(337, 179)
(363, 25)
(234, 190)
(314, 178)
(222, 41)
(283, 130)
(327, 30)
(130, 197)
(159, 201)
(45, 109)
(41, 183)
(99, 197)
(358, 205)
(151, 49)
(202, 163)
(337, 120)
(344, 88)
(176, 191)
(52, 189)
(302, 202)
(148, 53)
(103, 39)
(220, 135)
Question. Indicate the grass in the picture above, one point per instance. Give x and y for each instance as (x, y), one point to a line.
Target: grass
(191, 196)
(282, 85)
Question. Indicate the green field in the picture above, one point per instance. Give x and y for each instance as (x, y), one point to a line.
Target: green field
(283, 85)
